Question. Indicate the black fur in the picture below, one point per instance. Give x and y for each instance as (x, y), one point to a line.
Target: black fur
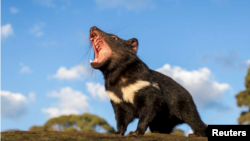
(159, 109)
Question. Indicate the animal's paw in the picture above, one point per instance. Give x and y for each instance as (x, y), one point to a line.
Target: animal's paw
(133, 133)
(119, 134)
(136, 133)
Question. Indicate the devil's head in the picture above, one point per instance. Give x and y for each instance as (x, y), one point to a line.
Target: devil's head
(111, 50)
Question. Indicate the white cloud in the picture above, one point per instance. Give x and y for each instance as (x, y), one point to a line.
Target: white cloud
(51, 112)
(248, 63)
(97, 91)
(199, 83)
(132, 5)
(32, 97)
(14, 10)
(69, 102)
(13, 105)
(37, 29)
(7, 30)
(24, 69)
(75, 72)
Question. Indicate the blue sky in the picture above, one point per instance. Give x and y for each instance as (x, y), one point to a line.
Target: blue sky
(202, 44)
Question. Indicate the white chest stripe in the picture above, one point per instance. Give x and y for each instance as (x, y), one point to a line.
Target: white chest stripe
(130, 90)
(113, 97)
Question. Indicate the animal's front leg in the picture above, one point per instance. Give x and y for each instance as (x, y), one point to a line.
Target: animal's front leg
(147, 114)
(122, 122)
(123, 118)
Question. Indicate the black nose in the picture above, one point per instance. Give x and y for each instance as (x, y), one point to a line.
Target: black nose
(93, 28)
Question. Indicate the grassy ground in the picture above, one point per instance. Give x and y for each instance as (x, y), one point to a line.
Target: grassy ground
(85, 136)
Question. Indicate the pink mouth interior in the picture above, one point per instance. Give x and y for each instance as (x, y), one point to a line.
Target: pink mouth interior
(100, 48)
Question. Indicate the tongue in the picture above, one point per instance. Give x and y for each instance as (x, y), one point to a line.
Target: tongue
(101, 54)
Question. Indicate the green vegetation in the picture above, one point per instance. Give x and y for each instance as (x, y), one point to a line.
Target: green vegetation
(243, 99)
(36, 128)
(85, 122)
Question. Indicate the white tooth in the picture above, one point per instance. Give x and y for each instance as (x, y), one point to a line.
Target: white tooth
(95, 43)
(91, 39)
(90, 61)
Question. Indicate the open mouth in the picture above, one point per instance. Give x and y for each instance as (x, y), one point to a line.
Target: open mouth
(100, 48)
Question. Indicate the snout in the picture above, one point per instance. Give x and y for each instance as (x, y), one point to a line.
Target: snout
(93, 28)
(94, 31)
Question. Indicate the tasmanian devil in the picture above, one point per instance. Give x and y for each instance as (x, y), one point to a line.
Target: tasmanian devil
(136, 91)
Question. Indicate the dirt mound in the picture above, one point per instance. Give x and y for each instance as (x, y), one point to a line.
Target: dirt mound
(86, 136)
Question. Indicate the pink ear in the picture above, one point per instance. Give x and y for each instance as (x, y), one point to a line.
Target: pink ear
(134, 44)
